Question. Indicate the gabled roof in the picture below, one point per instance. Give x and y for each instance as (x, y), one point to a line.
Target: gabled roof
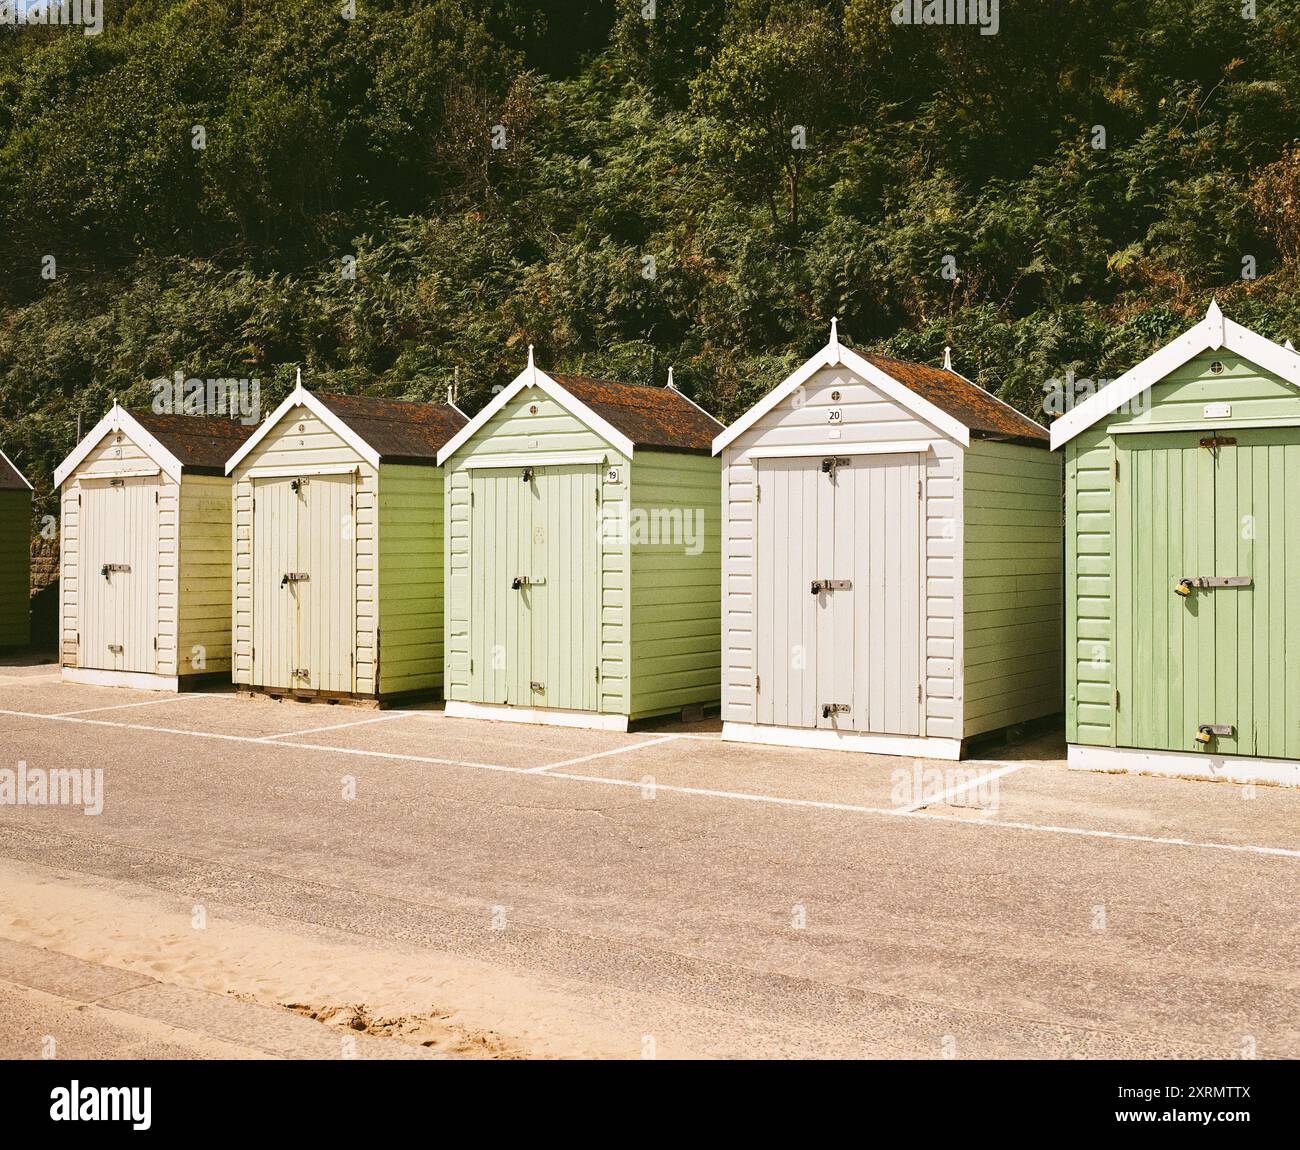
(177, 443)
(376, 428)
(941, 397)
(625, 415)
(1213, 332)
(11, 479)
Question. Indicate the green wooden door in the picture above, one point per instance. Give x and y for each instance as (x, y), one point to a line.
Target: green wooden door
(276, 597)
(501, 520)
(565, 564)
(1220, 655)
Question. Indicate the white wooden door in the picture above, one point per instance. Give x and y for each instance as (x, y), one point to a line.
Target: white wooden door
(840, 581)
(119, 574)
(327, 598)
(275, 598)
(888, 574)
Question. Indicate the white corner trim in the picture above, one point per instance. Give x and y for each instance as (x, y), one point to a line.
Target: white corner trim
(542, 716)
(118, 419)
(19, 473)
(1205, 764)
(533, 376)
(537, 459)
(834, 447)
(824, 739)
(1211, 334)
(301, 397)
(137, 680)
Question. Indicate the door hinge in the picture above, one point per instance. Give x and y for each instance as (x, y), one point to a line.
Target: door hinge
(758, 684)
(597, 672)
(156, 499)
(1116, 468)
(758, 493)
(918, 489)
(918, 692)
(597, 494)
(471, 666)
(1117, 698)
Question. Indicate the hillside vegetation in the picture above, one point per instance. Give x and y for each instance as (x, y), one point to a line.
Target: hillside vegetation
(648, 207)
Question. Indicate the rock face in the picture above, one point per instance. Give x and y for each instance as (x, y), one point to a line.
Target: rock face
(45, 593)
(45, 563)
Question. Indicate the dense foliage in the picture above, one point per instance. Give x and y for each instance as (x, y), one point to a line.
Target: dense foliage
(627, 139)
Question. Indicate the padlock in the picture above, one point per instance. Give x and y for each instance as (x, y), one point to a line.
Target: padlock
(1204, 736)
(1184, 588)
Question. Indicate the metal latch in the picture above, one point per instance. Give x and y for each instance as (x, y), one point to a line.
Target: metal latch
(829, 709)
(1207, 731)
(1186, 584)
(300, 673)
(526, 581)
(540, 688)
(829, 465)
(116, 648)
(1216, 441)
(295, 577)
(528, 475)
(298, 484)
(820, 585)
(115, 569)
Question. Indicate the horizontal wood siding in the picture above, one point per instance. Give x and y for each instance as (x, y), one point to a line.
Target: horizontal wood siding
(15, 568)
(303, 442)
(205, 575)
(1182, 395)
(517, 432)
(1090, 589)
(1013, 586)
(676, 613)
(410, 578)
(868, 417)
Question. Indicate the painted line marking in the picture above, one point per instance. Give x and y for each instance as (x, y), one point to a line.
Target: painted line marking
(705, 792)
(340, 726)
(952, 792)
(602, 754)
(142, 703)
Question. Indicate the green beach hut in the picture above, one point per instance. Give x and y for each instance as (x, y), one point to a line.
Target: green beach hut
(15, 556)
(1182, 553)
(583, 557)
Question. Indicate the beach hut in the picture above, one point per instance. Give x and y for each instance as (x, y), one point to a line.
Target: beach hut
(1182, 547)
(892, 561)
(582, 554)
(338, 527)
(145, 551)
(15, 556)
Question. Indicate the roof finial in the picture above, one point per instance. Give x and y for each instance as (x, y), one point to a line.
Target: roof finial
(300, 377)
(835, 331)
(947, 359)
(1214, 317)
(530, 356)
(670, 376)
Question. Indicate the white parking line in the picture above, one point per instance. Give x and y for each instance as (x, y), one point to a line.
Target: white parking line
(704, 792)
(340, 726)
(142, 703)
(952, 792)
(602, 754)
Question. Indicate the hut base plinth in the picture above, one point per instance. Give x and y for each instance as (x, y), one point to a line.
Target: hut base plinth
(823, 739)
(543, 716)
(1185, 764)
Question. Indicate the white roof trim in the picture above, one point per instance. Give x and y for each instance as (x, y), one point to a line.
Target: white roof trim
(16, 471)
(1215, 331)
(301, 397)
(533, 376)
(835, 354)
(119, 419)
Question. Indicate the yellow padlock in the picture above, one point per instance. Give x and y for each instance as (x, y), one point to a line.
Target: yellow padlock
(1204, 736)
(1184, 588)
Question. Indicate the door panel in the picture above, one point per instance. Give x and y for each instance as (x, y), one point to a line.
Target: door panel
(793, 497)
(501, 517)
(856, 645)
(119, 611)
(327, 603)
(886, 566)
(563, 608)
(275, 602)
